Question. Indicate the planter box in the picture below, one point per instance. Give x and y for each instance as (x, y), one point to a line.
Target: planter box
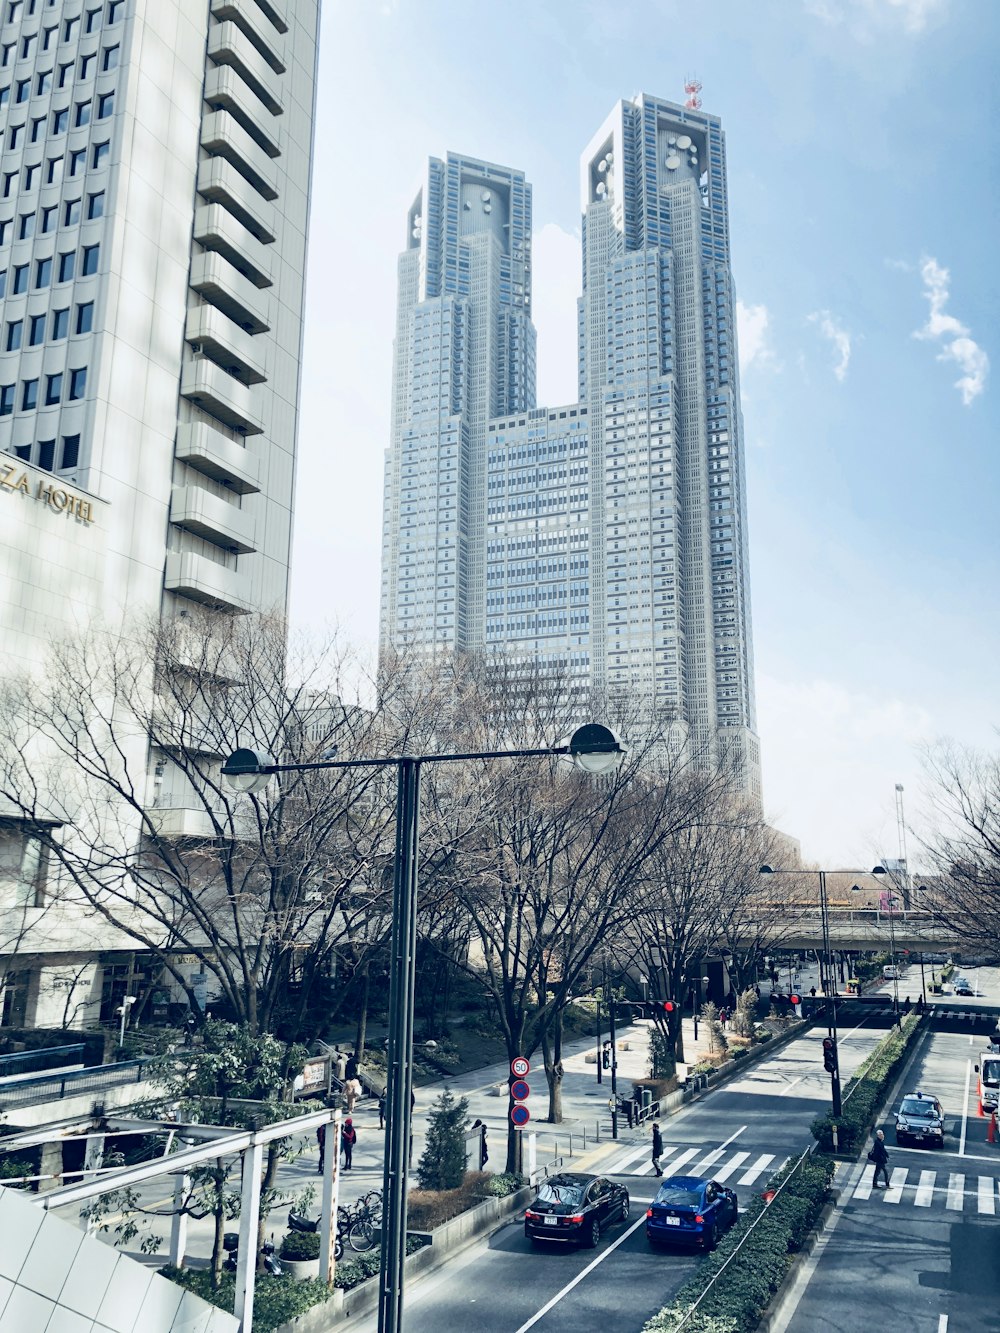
(300, 1270)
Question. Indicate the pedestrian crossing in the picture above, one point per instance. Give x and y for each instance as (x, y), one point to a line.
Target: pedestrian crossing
(957, 1192)
(722, 1164)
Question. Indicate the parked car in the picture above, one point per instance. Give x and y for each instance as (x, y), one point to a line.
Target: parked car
(963, 986)
(690, 1210)
(920, 1119)
(573, 1206)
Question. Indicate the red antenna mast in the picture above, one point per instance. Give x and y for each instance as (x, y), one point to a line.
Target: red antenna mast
(692, 87)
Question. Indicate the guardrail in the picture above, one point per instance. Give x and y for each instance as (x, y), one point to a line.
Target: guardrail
(56, 1087)
(44, 1057)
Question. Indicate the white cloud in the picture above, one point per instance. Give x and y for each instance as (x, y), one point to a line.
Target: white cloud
(752, 323)
(951, 333)
(863, 17)
(838, 336)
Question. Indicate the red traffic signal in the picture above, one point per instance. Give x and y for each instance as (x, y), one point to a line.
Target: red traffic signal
(667, 1006)
(796, 999)
(829, 1055)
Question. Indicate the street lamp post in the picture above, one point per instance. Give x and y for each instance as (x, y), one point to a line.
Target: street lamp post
(593, 748)
(829, 992)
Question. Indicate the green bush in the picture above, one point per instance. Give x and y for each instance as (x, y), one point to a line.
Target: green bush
(503, 1184)
(866, 1090)
(300, 1245)
(737, 1301)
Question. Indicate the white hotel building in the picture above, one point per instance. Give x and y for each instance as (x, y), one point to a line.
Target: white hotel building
(607, 537)
(154, 191)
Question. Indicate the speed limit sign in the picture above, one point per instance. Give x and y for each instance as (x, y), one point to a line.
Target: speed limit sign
(519, 1066)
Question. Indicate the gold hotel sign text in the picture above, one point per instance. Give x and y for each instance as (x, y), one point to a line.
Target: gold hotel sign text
(15, 479)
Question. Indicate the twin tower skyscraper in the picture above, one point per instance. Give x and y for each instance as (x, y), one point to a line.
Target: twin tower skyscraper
(606, 538)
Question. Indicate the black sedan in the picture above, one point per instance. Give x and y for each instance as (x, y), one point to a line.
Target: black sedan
(689, 1210)
(575, 1207)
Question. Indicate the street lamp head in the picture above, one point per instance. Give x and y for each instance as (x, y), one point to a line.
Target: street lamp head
(879, 870)
(765, 870)
(855, 888)
(248, 770)
(595, 749)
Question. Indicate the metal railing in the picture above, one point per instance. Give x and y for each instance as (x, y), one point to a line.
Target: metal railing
(45, 1057)
(56, 1087)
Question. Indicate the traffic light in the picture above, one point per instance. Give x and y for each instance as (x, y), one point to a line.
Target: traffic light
(829, 1055)
(667, 1006)
(606, 1058)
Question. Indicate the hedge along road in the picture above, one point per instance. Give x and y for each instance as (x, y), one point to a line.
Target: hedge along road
(740, 1133)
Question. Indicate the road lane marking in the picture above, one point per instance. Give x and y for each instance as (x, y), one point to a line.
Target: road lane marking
(618, 1166)
(786, 1090)
(987, 1196)
(942, 1323)
(896, 1182)
(756, 1169)
(738, 1160)
(684, 1157)
(582, 1274)
(956, 1193)
(710, 1160)
(732, 1136)
(965, 1108)
(925, 1190)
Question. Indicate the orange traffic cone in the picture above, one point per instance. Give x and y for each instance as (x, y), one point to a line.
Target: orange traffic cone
(991, 1133)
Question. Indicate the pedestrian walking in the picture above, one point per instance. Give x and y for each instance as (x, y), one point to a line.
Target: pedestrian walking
(348, 1138)
(350, 1067)
(880, 1157)
(484, 1154)
(352, 1091)
(340, 1066)
(381, 1109)
(993, 1132)
(657, 1148)
(321, 1140)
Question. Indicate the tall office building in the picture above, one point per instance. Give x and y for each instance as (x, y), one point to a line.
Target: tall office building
(607, 537)
(154, 187)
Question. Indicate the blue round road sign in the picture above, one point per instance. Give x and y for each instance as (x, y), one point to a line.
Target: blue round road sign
(519, 1090)
(520, 1115)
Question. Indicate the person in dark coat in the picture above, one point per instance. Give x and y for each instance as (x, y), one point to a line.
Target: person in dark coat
(880, 1157)
(657, 1149)
(348, 1138)
(321, 1140)
(350, 1068)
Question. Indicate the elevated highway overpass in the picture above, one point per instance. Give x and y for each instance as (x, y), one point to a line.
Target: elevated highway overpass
(868, 930)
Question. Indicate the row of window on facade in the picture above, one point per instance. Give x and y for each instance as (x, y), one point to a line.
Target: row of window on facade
(59, 326)
(72, 213)
(55, 168)
(43, 453)
(48, 38)
(64, 266)
(76, 384)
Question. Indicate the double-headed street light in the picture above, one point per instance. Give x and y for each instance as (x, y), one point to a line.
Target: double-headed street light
(828, 982)
(592, 748)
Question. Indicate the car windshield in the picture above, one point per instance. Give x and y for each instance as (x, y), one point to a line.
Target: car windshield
(918, 1107)
(673, 1196)
(555, 1192)
(991, 1072)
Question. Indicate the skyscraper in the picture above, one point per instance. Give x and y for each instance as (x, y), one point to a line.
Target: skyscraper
(154, 185)
(608, 536)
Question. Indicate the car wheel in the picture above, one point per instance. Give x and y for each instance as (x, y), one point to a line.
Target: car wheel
(624, 1216)
(593, 1233)
(712, 1239)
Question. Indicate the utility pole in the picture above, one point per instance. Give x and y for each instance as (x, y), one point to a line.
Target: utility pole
(614, 1057)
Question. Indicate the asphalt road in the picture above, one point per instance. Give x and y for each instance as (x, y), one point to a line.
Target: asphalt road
(740, 1134)
(924, 1255)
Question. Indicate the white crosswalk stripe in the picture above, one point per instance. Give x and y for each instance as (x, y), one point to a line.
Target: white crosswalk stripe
(925, 1190)
(896, 1182)
(864, 1186)
(758, 1166)
(956, 1193)
(726, 1171)
(987, 1196)
(708, 1161)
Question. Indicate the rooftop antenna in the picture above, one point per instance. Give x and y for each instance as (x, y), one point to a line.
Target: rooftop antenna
(692, 87)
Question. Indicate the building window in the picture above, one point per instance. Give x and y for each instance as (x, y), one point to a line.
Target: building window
(14, 330)
(31, 176)
(6, 399)
(77, 158)
(43, 273)
(26, 227)
(115, 10)
(16, 986)
(105, 105)
(87, 66)
(3, 230)
(71, 212)
(69, 28)
(20, 279)
(85, 317)
(37, 128)
(29, 395)
(23, 866)
(36, 330)
(67, 266)
(82, 116)
(77, 383)
(91, 256)
(9, 177)
(60, 323)
(28, 45)
(46, 454)
(93, 20)
(16, 131)
(95, 205)
(54, 174)
(43, 83)
(23, 90)
(48, 37)
(101, 153)
(70, 451)
(53, 389)
(66, 73)
(110, 60)
(4, 95)
(48, 218)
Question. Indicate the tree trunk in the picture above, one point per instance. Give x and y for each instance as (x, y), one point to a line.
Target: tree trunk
(678, 1035)
(359, 1038)
(552, 1055)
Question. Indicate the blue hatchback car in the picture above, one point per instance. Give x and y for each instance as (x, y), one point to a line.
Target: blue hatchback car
(689, 1210)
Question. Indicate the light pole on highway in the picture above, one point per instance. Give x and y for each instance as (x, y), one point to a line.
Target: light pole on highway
(593, 748)
(829, 992)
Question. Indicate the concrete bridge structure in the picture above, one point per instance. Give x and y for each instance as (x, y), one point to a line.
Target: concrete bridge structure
(869, 930)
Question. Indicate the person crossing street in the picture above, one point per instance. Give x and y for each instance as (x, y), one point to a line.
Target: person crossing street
(880, 1157)
(657, 1149)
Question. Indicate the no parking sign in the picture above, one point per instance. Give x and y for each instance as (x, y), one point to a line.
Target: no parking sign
(520, 1114)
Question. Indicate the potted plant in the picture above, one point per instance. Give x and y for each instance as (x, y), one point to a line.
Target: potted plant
(299, 1254)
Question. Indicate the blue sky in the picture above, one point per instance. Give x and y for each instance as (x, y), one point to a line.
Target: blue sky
(863, 190)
